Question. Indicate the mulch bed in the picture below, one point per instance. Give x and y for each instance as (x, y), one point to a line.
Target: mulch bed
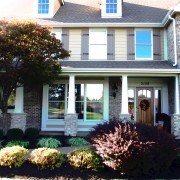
(29, 171)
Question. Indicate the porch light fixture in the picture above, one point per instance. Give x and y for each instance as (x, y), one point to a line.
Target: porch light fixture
(114, 90)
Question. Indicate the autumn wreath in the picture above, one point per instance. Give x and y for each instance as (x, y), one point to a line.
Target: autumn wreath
(144, 104)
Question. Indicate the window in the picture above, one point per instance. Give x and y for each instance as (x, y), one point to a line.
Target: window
(143, 43)
(98, 44)
(43, 6)
(89, 101)
(56, 105)
(111, 6)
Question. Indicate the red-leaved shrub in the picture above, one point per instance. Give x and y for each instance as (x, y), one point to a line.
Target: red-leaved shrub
(134, 149)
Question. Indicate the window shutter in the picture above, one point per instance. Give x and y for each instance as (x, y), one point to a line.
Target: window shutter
(130, 45)
(85, 44)
(65, 39)
(110, 44)
(156, 44)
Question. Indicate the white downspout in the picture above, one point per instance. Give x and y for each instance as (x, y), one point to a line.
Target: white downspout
(175, 40)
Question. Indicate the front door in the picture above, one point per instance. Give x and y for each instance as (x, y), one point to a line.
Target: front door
(145, 105)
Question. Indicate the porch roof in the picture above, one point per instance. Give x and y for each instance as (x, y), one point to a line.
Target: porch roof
(141, 65)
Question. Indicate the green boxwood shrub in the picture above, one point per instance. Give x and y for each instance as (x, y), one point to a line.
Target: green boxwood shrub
(24, 144)
(15, 134)
(77, 141)
(13, 156)
(31, 133)
(46, 158)
(49, 142)
(134, 149)
(85, 158)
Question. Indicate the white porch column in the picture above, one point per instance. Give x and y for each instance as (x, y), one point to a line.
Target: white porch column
(18, 118)
(124, 102)
(19, 103)
(177, 94)
(71, 100)
(70, 118)
(124, 115)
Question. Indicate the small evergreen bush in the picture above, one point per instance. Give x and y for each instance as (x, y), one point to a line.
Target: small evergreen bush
(15, 134)
(134, 149)
(86, 159)
(31, 133)
(49, 142)
(46, 158)
(1, 134)
(24, 144)
(77, 141)
(13, 156)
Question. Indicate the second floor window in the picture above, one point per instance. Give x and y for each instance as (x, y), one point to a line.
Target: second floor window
(143, 44)
(111, 6)
(43, 6)
(98, 44)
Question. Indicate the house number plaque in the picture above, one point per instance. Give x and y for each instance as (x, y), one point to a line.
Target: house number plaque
(144, 83)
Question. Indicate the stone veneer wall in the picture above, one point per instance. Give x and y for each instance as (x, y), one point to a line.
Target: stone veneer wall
(175, 125)
(33, 107)
(171, 91)
(178, 37)
(115, 103)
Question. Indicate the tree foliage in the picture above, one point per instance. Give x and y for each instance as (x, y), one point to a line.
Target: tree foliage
(29, 55)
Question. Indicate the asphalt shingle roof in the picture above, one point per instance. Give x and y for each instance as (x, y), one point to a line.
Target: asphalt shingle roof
(118, 64)
(134, 11)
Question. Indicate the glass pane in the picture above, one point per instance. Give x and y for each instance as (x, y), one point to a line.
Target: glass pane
(80, 109)
(143, 51)
(94, 110)
(98, 52)
(98, 37)
(94, 92)
(158, 101)
(143, 37)
(79, 92)
(57, 92)
(56, 110)
(131, 103)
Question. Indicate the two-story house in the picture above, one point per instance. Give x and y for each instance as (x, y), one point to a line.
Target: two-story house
(124, 63)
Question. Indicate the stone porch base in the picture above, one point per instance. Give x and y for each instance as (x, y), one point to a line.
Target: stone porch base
(70, 124)
(175, 125)
(124, 117)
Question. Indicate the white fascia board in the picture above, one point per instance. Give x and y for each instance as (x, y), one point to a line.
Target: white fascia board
(118, 70)
(61, 24)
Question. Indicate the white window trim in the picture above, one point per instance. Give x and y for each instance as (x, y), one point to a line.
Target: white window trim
(51, 10)
(145, 29)
(113, 15)
(90, 53)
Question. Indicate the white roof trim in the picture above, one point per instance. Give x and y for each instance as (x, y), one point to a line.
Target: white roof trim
(61, 24)
(119, 70)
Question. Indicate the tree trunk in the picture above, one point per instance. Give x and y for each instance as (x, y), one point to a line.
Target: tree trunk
(6, 122)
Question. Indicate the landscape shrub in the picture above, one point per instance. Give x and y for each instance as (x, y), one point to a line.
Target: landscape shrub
(1, 134)
(77, 141)
(13, 156)
(24, 144)
(134, 149)
(85, 158)
(46, 158)
(31, 133)
(49, 142)
(15, 134)
(1, 141)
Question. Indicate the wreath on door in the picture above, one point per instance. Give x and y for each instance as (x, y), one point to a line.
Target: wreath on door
(144, 104)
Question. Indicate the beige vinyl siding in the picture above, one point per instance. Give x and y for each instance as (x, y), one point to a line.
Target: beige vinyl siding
(56, 6)
(162, 44)
(120, 44)
(75, 44)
